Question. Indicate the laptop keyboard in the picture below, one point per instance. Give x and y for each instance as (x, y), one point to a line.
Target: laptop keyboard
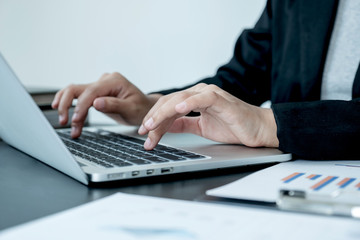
(110, 149)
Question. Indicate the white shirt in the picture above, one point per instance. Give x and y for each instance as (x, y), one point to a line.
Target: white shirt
(343, 55)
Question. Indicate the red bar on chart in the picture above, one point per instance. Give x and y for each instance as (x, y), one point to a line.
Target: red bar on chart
(292, 177)
(313, 176)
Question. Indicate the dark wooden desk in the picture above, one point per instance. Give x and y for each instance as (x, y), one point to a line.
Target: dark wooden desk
(30, 189)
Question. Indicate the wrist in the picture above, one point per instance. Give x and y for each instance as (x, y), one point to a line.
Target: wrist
(269, 129)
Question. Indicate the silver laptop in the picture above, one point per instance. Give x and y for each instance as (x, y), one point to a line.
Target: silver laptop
(100, 155)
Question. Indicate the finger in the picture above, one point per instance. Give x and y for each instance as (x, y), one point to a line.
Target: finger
(111, 105)
(155, 135)
(56, 100)
(148, 119)
(163, 110)
(159, 118)
(186, 125)
(87, 98)
(76, 128)
(168, 100)
(199, 102)
(85, 101)
(164, 115)
(160, 103)
(196, 99)
(98, 89)
(65, 102)
(114, 108)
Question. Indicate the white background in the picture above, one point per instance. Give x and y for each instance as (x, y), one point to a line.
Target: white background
(156, 44)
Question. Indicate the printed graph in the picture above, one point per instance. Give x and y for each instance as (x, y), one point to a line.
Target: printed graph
(317, 182)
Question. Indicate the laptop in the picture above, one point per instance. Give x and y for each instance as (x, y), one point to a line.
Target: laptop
(100, 155)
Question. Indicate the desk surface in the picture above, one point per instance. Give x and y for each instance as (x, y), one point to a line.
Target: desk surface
(30, 189)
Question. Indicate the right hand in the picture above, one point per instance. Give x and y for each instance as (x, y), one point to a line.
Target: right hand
(113, 94)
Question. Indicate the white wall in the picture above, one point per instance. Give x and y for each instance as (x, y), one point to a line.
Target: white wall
(155, 43)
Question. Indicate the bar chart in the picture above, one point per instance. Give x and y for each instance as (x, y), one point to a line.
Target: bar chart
(319, 178)
(318, 182)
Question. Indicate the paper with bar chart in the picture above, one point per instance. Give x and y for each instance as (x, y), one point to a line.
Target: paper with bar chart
(310, 176)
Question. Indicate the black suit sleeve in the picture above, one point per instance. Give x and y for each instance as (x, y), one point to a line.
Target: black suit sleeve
(247, 75)
(320, 129)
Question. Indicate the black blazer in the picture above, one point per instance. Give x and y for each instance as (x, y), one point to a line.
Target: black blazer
(282, 59)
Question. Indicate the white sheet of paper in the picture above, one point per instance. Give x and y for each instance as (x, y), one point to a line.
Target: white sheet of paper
(127, 217)
(264, 185)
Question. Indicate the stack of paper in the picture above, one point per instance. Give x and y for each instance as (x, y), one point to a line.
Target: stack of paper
(123, 216)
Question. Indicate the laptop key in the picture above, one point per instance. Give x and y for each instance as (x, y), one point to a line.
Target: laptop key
(139, 161)
(122, 164)
(155, 159)
(193, 156)
(171, 157)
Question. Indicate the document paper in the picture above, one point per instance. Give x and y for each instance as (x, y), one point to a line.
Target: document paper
(323, 177)
(124, 216)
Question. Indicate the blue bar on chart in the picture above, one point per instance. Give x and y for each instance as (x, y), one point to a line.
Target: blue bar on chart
(323, 183)
(292, 177)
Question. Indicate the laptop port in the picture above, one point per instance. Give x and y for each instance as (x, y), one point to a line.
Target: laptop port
(135, 173)
(149, 171)
(166, 170)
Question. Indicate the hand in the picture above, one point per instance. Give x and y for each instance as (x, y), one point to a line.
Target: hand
(113, 94)
(224, 118)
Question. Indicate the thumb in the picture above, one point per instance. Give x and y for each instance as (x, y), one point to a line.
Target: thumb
(109, 104)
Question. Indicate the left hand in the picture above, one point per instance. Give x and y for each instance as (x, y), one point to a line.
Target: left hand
(224, 118)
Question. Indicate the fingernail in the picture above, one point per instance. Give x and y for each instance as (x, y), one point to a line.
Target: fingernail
(181, 106)
(149, 123)
(100, 103)
(53, 103)
(142, 130)
(147, 143)
(61, 118)
(74, 131)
